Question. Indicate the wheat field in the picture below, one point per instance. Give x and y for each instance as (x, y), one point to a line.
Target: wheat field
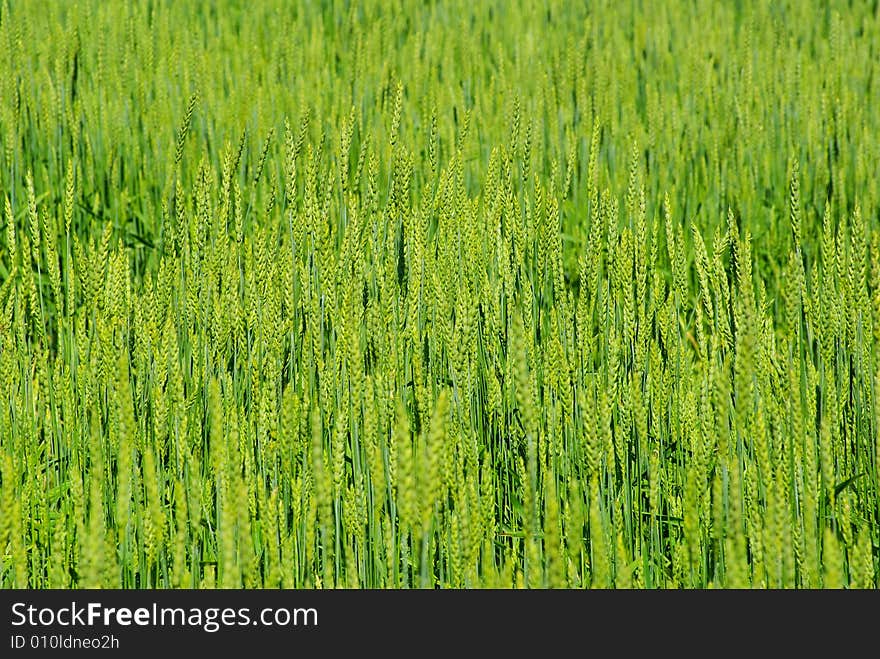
(439, 295)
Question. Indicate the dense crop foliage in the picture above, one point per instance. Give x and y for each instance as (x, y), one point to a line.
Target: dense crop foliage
(404, 294)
